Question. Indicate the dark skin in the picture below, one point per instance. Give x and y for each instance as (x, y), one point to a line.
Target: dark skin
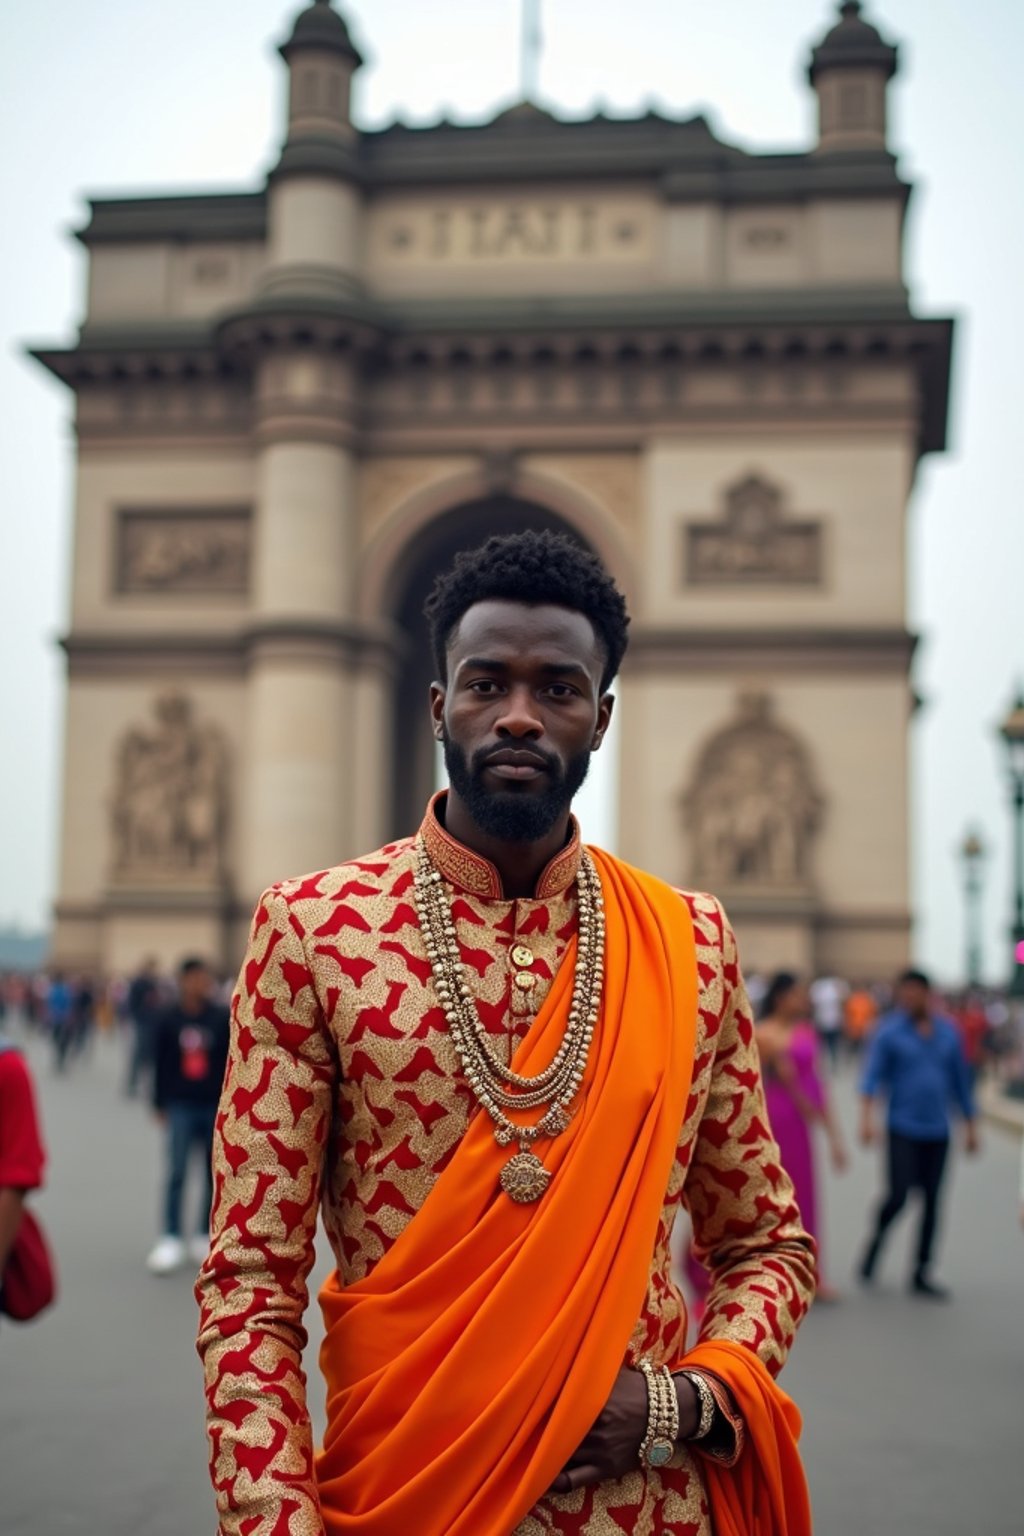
(520, 674)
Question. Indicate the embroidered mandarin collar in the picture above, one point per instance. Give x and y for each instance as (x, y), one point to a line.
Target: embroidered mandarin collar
(462, 867)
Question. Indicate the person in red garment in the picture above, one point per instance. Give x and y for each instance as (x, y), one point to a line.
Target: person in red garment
(22, 1159)
(501, 1061)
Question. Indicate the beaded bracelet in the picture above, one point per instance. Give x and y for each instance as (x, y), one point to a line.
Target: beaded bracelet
(659, 1443)
(707, 1403)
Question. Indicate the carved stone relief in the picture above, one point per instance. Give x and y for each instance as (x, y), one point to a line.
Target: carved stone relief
(183, 551)
(752, 543)
(170, 799)
(753, 807)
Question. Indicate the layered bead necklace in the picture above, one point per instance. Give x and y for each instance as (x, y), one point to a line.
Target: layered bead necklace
(498, 1089)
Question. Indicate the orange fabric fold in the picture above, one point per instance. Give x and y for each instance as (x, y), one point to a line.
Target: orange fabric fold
(468, 1365)
(765, 1493)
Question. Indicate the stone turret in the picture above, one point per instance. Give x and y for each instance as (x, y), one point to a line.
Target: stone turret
(298, 336)
(314, 204)
(321, 60)
(850, 71)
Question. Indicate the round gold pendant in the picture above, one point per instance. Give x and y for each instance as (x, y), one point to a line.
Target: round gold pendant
(521, 955)
(660, 1453)
(524, 1178)
(525, 981)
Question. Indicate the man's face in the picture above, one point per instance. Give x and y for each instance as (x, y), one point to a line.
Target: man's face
(195, 986)
(520, 714)
(914, 997)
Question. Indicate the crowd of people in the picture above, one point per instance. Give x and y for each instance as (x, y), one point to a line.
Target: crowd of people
(174, 1032)
(919, 1051)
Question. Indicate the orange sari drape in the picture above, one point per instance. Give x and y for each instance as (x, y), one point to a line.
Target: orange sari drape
(468, 1365)
(765, 1493)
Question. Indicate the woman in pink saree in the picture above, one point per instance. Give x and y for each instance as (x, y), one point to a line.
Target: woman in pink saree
(797, 1098)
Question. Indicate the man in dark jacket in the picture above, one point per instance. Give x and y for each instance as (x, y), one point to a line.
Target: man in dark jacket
(190, 1057)
(143, 1013)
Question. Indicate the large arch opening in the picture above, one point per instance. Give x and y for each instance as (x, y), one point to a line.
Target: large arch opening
(414, 756)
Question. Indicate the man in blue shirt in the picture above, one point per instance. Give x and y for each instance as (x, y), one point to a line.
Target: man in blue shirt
(916, 1058)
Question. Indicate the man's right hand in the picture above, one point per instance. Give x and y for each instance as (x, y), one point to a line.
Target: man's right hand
(868, 1130)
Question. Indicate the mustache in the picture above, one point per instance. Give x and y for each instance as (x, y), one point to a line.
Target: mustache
(483, 755)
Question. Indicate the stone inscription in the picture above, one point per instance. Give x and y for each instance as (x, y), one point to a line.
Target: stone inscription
(183, 552)
(170, 800)
(752, 543)
(522, 231)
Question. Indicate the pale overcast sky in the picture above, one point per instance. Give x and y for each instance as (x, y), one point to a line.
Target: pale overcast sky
(119, 96)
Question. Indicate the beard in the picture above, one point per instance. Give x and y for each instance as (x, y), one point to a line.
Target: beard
(510, 814)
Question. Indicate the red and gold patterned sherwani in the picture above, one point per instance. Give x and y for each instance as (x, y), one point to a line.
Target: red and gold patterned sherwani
(344, 1091)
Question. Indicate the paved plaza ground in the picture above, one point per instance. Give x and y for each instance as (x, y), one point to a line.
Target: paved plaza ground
(912, 1410)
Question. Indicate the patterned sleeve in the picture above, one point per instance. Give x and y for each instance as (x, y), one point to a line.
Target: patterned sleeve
(268, 1155)
(747, 1229)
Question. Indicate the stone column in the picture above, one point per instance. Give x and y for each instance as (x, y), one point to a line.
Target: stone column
(302, 339)
(299, 771)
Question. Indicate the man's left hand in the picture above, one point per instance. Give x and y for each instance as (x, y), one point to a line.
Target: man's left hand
(612, 1445)
(971, 1142)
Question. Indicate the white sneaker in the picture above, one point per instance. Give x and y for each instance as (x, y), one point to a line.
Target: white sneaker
(199, 1247)
(169, 1254)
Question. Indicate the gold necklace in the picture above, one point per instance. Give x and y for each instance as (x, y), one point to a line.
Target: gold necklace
(497, 1087)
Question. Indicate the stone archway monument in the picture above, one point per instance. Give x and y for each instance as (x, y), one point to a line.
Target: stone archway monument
(293, 401)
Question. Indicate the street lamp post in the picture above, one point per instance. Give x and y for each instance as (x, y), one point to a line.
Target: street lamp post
(1012, 732)
(972, 854)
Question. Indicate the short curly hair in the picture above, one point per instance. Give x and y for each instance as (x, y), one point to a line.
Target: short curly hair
(530, 567)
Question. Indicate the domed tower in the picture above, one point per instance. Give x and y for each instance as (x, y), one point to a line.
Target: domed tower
(322, 60)
(850, 71)
(298, 338)
(314, 204)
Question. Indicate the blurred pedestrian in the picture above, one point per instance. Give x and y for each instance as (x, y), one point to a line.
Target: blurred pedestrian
(83, 1014)
(828, 996)
(917, 1061)
(191, 1052)
(860, 1015)
(143, 1012)
(60, 1018)
(972, 1022)
(22, 1160)
(797, 1098)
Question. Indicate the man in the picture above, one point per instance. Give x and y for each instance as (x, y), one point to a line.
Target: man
(916, 1058)
(143, 1012)
(972, 1022)
(59, 1001)
(502, 1062)
(191, 1050)
(828, 996)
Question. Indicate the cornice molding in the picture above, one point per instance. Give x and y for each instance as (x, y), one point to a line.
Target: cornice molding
(113, 653)
(770, 648)
(631, 336)
(683, 158)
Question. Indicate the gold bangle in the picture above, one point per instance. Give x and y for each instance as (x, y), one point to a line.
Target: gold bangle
(707, 1404)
